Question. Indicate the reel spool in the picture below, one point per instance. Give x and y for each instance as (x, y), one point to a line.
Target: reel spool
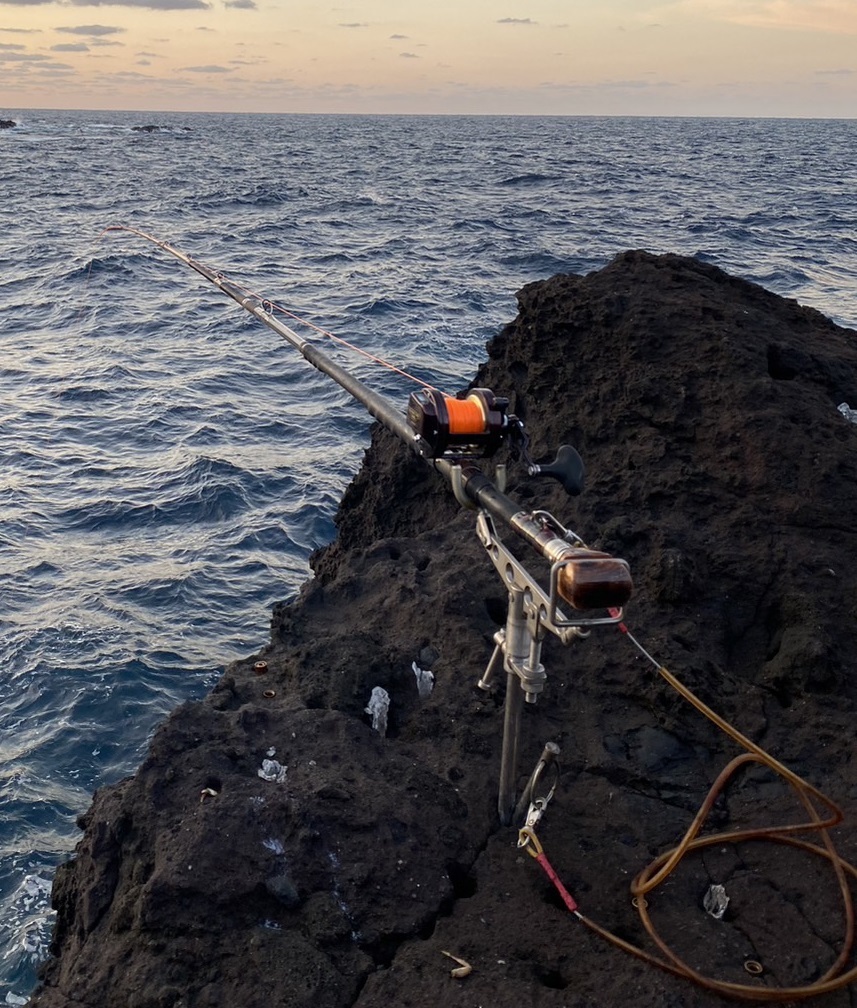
(468, 426)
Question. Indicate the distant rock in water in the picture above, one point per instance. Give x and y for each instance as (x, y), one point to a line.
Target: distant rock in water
(156, 128)
(7, 123)
(719, 467)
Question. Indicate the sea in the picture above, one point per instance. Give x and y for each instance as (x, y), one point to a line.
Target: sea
(169, 464)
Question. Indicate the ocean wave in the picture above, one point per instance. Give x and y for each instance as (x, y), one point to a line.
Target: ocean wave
(526, 179)
(386, 306)
(112, 265)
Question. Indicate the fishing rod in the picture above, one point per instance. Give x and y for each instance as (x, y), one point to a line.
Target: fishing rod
(453, 434)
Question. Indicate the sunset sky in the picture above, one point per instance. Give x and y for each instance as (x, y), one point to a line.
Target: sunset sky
(562, 57)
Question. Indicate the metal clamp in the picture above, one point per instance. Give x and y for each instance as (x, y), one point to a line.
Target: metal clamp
(456, 480)
(538, 605)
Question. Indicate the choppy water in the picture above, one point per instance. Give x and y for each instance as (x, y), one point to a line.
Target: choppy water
(168, 463)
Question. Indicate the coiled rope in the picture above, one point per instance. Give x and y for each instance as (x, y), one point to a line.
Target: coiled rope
(656, 873)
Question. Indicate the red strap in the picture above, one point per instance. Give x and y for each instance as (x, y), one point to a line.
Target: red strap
(567, 898)
(614, 613)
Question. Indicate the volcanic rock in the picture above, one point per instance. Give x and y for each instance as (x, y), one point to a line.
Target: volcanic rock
(719, 467)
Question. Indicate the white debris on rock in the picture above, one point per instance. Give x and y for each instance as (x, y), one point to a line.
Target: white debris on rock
(847, 412)
(379, 705)
(272, 770)
(425, 681)
(715, 901)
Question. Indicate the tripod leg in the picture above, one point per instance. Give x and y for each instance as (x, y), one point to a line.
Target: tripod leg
(486, 683)
(509, 757)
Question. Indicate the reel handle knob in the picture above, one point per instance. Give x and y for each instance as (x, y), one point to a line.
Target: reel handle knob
(567, 468)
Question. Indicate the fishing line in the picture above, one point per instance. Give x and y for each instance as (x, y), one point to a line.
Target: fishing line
(272, 306)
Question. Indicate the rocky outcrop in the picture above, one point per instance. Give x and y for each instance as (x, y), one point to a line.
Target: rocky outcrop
(720, 468)
(159, 128)
(7, 123)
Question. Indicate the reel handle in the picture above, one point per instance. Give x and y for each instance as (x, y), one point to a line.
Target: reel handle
(567, 468)
(588, 579)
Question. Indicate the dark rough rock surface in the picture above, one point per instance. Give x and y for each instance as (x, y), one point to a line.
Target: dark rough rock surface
(719, 467)
(7, 123)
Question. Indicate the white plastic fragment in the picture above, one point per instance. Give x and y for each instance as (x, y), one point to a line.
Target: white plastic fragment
(272, 770)
(715, 901)
(379, 704)
(847, 412)
(425, 681)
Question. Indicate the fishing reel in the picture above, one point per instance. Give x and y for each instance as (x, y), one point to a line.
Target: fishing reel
(474, 425)
(471, 425)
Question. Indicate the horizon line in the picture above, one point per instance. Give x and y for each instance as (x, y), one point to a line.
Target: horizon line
(446, 115)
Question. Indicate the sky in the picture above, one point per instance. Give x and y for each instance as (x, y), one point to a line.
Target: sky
(794, 58)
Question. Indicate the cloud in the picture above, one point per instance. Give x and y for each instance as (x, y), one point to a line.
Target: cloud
(211, 68)
(828, 16)
(836, 73)
(408, 55)
(55, 69)
(22, 31)
(517, 21)
(146, 4)
(353, 24)
(90, 29)
(70, 47)
(26, 3)
(398, 38)
(16, 57)
(637, 85)
(11, 45)
(241, 4)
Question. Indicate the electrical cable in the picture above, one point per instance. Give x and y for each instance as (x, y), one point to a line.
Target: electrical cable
(665, 864)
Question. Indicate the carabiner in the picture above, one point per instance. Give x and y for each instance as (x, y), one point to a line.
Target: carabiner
(528, 840)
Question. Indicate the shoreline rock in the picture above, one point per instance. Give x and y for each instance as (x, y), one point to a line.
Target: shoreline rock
(719, 467)
(7, 123)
